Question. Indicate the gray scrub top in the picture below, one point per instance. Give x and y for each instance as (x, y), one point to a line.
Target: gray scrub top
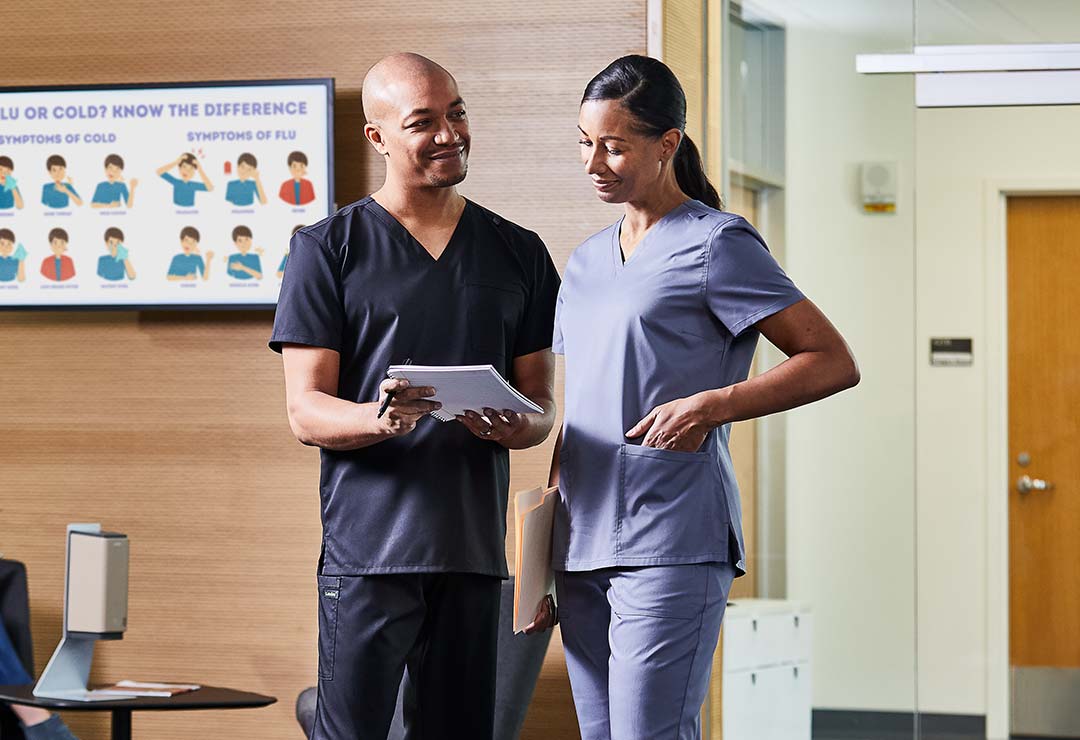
(676, 319)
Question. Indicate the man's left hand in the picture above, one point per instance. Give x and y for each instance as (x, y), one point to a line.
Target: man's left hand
(498, 427)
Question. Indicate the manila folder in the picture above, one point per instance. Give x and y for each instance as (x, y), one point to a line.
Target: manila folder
(534, 512)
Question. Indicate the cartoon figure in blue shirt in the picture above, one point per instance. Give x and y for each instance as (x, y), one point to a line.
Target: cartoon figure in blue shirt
(12, 258)
(114, 192)
(183, 188)
(115, 265)
(244, 265)
(60, 192)
(281, 267)
(10, 197)
(248, 187)
(189, 263)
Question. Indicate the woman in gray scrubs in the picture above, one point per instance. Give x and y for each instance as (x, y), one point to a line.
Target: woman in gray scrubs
(658, 317)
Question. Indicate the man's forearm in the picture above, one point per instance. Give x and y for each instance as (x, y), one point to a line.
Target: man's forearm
(322, 420)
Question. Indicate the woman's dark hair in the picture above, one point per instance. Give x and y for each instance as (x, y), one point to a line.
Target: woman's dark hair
(651, 93)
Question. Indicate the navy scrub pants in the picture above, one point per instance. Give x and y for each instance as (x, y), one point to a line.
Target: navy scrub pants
(639, 644)
(440, 628)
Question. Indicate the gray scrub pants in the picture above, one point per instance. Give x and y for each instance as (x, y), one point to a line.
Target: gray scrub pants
(639, 644)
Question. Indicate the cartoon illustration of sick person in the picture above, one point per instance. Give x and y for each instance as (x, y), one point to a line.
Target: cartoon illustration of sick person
(114, 264)
(114, 192)
(245, 264)
(10, 196)
(184, 188)
(244, 190)
(297, 190)
(189, 263)
(59, 267)
(12, 258)
(60, 192)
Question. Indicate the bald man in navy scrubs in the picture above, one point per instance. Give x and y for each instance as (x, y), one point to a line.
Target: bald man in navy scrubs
(413, 509)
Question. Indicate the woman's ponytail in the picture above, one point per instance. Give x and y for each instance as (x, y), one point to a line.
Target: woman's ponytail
(690, 174)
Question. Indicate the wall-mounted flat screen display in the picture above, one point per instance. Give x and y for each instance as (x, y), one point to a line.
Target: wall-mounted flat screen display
(159, 195)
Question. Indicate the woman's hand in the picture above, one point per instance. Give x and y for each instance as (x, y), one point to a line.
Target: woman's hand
(547, 616)
(678, 425)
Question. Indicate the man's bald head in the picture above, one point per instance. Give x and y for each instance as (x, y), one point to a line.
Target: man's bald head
(393, 78)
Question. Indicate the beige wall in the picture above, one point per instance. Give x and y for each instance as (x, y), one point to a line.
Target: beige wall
(851, 459)
(170, 427)
(964, 157)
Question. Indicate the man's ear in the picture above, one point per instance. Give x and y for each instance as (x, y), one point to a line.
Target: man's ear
(374, 135)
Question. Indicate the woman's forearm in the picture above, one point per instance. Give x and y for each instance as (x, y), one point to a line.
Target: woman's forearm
(801, 379)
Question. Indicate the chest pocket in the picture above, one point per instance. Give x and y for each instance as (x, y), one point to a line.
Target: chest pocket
(494, 313)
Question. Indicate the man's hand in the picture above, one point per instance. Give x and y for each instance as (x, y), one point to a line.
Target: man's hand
(406, 407)
(547, 616)
(499, 426)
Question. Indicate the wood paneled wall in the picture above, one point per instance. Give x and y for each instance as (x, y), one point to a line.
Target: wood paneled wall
(170, 426)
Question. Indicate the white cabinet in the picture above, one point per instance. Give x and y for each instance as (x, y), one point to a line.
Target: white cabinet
(766, 670)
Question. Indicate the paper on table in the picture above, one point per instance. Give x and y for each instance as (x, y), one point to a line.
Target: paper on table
(462, 387)
(534, 513)
(128, 688)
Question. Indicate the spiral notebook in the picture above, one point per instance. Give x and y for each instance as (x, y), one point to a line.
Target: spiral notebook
(462, 387)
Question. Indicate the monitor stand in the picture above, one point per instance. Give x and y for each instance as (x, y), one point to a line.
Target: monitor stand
(68, 673)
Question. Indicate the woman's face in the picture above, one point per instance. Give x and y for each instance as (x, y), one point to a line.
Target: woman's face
(623, 165)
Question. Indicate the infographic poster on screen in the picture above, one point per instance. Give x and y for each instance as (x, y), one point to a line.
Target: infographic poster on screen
(159, 195)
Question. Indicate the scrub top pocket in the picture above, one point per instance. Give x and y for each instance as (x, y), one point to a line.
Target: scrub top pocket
(494, 312)
(671, 505)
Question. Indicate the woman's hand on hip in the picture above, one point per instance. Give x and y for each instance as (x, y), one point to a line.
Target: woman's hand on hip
(676, 425)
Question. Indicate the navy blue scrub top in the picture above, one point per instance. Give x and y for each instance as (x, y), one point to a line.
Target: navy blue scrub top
(675, 319)
(358, 283)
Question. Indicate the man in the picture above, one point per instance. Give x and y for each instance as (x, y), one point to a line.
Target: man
(413, 509)
(184, 188)
(244, 190)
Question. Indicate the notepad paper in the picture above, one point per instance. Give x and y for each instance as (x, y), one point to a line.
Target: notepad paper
(465, 387)
(534, 513)
(131, 689)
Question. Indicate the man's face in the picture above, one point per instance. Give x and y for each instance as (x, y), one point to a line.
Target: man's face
(243, 243)
(58, 246)
(187, 171)
(113, 173)
(4, 172)
(6, 247)
(425, 132)
(57, 172)
(188, 244)
(244, 170)
(112, 243)
(297, 169)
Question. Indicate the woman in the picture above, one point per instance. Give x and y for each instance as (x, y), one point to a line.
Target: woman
(658, 318)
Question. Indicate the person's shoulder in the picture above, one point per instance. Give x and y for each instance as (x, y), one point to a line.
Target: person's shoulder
(595, 245)
(515, 234)
(331, 233)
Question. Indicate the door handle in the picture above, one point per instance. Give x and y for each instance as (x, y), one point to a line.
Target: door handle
(1026, 484)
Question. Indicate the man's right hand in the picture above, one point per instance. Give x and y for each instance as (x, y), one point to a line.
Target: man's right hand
(406, 407)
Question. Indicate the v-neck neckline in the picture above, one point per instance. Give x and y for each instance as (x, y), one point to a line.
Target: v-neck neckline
(407, 236)
(621, 262)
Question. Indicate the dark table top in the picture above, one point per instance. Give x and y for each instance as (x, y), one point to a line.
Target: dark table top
(208, 697)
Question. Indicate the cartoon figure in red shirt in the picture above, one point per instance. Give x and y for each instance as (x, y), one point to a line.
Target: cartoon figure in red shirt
(297, 191)
(59, 267)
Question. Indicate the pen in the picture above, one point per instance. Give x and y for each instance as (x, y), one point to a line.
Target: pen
(389, 394)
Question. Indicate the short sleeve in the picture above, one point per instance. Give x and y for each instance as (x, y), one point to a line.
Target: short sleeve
(534, 331)
(744, 284)
(556, 338)
(309, 309)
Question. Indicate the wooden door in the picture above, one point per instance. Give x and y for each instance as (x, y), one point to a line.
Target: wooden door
(1044, 441)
